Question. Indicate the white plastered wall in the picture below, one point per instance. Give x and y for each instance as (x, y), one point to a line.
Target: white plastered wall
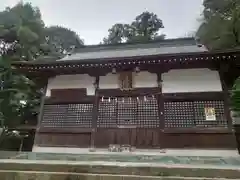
(71, 82)
(191, 80)
(141, 79)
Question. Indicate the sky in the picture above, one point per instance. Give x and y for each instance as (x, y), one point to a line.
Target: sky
(91, 19)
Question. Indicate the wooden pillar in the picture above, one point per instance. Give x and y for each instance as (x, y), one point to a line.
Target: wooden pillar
(222, 73)
(43, 85)
(95, 112)
(160, 101)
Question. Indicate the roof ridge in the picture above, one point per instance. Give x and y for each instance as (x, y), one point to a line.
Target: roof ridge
(153, 43)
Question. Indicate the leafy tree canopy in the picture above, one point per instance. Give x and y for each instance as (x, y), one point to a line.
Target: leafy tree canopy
(23, 36)
(220, 28)
(145, 27)
(21, 32)
(62, 40)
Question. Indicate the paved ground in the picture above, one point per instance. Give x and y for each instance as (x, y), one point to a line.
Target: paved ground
(170, 152)
(198, 165)
(182, 163)
(199, 158)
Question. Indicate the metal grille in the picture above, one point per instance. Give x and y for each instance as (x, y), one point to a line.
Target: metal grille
(192, 114)
(128, 112)
(69, 115)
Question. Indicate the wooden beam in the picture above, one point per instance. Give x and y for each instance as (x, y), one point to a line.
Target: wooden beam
(193, 96)
(226, 96)
(148, 91)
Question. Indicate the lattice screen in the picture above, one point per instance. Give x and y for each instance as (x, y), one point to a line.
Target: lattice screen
(69, 115)
(192, 114)
(200, 114)
(178, 114)
(128, 112)
(107, 114)
(148, 113)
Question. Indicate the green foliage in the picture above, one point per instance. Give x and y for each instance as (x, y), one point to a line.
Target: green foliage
(24, 37)
(21, 38)
(62, 40)
(235, 98)
(15, 90)
(145, 27)
(220, 28)
(22, 28)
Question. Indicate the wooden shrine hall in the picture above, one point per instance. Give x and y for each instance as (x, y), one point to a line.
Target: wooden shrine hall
(161, 94)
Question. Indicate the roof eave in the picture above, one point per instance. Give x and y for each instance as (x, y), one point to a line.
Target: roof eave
(105, 60)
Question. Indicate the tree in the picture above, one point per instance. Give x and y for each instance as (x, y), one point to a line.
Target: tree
(22, 32)
(220, 28)
(117, 34)
(21, 38)
(235, 99)
(24, 37)
(145, 27)
(61, 40)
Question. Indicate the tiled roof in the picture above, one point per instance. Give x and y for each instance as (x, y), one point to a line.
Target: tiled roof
(187, 45)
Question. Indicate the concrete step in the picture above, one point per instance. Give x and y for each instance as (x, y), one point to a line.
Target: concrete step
(120, 169)
(41, 175)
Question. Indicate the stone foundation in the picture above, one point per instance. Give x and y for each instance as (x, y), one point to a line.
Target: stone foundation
(73, 170)
(79, 176)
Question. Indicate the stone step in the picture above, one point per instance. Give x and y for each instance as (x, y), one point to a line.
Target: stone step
(119, 169)
(41, 175)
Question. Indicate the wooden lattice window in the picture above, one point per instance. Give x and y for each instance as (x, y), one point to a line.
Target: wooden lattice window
(192, 114)
(128, 112)
(148, 115)
(53, 115)
(107, 114)
(67, 116)
(126, 80)
(200, 117)
(178, 114)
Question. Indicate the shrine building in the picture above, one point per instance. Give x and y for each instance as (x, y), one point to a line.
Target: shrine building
(160, 94)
